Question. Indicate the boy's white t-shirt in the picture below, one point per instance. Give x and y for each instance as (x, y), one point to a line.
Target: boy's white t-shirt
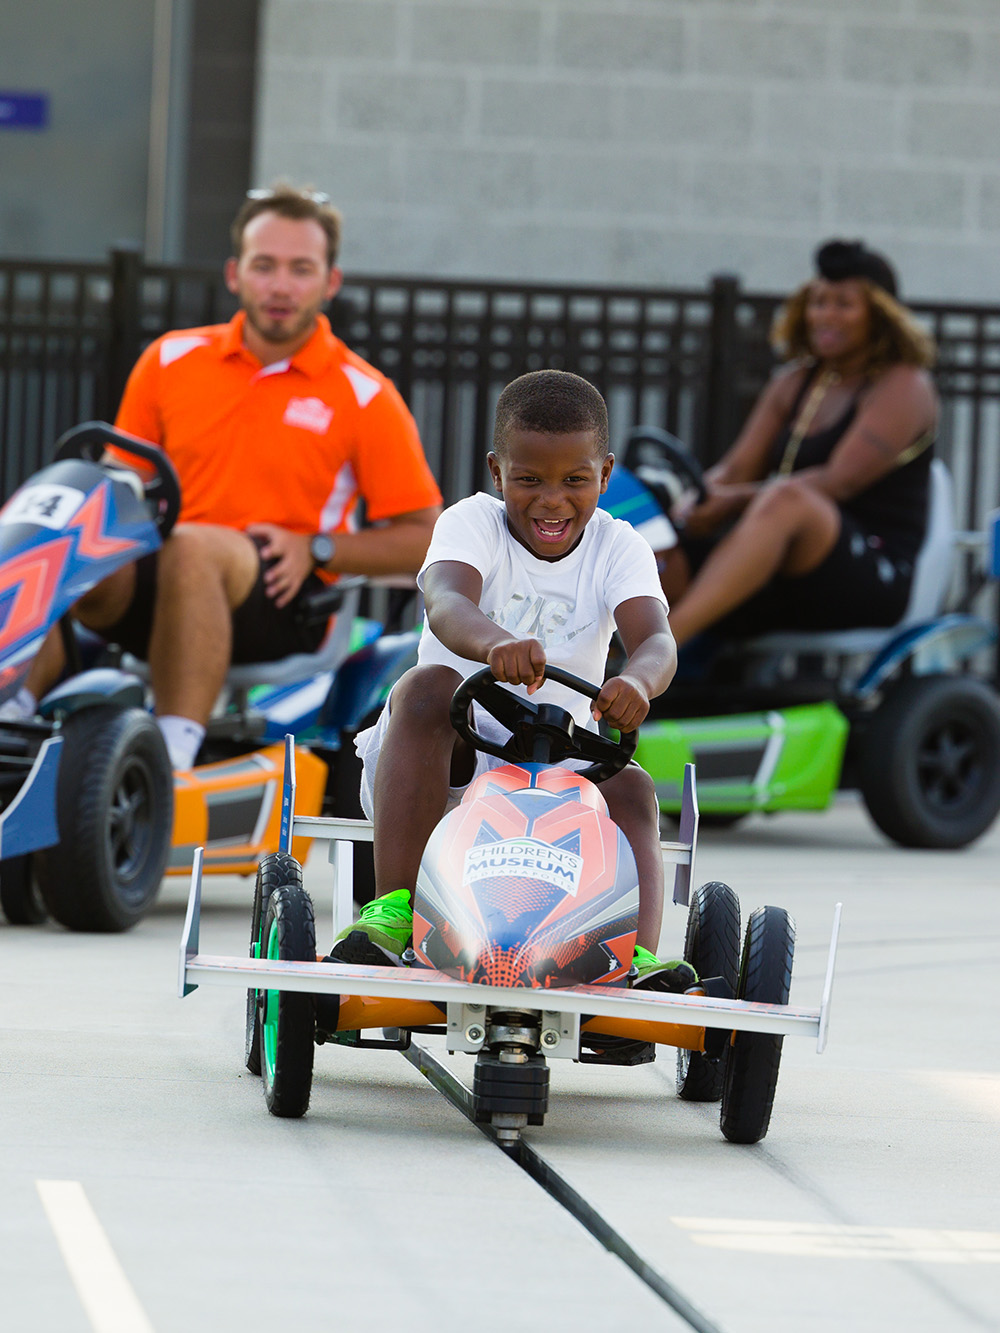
(567, 604)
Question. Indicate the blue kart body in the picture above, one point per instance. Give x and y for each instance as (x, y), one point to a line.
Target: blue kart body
(64, 531)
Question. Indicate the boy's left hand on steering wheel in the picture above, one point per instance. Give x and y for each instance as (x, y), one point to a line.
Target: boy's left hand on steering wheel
(622, 703)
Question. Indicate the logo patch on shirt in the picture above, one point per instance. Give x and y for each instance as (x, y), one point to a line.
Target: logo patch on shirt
(309, 413)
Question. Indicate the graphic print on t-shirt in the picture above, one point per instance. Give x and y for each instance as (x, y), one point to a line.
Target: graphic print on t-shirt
(538, 618)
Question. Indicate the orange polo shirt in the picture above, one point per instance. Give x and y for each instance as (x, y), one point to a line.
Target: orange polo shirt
(294, 443)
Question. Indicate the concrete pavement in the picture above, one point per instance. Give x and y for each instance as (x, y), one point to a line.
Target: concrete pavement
(874, 1202)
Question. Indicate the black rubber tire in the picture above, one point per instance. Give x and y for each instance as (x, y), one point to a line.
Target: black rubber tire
(115, 803)
(930, 762)
(287, 1075)
(274, 870)
(712, 947)
(19, 896)
(751, 1073)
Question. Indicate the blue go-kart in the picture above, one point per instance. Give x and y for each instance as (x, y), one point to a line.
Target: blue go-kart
(91, 816)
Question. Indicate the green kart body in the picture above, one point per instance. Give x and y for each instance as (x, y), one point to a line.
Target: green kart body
(779, 759)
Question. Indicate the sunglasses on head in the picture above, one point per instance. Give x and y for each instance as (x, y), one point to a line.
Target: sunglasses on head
(317, 196)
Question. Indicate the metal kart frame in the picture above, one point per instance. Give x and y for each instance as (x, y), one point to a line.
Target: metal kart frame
(677, 1020)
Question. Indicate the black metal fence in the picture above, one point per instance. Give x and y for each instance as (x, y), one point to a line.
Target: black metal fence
(690, 360)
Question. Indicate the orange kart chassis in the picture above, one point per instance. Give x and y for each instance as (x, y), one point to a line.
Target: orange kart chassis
(233, 810)
(358, 1012)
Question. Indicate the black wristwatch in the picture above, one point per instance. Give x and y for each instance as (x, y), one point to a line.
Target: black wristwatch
(321, 548)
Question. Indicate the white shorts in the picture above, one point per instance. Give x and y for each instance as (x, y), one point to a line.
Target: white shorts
(369, 744)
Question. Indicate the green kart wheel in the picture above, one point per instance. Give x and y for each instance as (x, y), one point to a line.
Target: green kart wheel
(288, 1018)
(274, 870)
(751, 1073)
(712, 947)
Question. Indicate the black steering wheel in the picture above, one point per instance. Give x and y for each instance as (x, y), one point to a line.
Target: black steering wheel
(542, 733)
(663, 465)
(162, 491)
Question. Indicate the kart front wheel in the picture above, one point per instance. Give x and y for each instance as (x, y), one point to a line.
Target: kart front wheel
(751, 1073)
(114, 804)
(712, 947)
(19, 897)
(288, 1018)
(274, 870)
(930, 762)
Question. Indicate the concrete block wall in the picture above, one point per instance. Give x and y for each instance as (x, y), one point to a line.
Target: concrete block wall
(649, 142)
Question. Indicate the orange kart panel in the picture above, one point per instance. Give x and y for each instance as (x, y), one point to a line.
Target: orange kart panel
(358, 1012)
(233, 810)
(685, 1036)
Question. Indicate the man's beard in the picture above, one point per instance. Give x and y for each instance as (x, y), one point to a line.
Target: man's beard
(281, 331)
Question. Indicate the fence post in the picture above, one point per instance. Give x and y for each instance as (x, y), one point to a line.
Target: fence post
(125, 323)
(720, 388)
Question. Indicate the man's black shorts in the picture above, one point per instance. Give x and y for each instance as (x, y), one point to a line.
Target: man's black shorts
(262, 632)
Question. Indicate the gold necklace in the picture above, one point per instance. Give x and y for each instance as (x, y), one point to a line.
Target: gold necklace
(805, 420)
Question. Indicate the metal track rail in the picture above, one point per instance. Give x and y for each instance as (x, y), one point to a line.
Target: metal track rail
(559, 1189)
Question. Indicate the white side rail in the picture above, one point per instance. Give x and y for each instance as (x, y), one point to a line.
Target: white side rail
(437, 988)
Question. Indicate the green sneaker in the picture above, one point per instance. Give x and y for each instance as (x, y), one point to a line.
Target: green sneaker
(380, 934)
(675, 975)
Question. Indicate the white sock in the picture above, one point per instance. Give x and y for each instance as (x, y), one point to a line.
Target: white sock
(20, 705)
(183, 737)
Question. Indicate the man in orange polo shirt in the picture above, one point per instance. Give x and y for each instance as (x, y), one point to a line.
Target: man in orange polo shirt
(277, 430)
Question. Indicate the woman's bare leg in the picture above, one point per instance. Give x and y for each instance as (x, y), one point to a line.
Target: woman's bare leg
(788, 529)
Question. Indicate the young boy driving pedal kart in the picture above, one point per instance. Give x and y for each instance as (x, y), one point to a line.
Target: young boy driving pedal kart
(538, 576)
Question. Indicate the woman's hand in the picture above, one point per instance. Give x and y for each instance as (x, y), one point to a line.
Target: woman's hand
(724, 502)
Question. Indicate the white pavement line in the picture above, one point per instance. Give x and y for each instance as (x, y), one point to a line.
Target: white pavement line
(817, 1240)
(101, 1284)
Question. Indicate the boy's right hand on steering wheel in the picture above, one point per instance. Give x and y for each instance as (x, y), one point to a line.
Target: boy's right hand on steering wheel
(518, 662)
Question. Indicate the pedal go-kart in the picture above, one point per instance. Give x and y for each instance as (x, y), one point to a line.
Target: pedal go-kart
(90, 814)
(524, 928)
(782, 721)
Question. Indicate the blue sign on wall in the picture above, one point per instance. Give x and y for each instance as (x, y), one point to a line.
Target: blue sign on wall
(24, 111)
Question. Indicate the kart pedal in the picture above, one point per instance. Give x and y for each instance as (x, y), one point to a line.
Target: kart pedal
(616, 1051)
(327, 1017)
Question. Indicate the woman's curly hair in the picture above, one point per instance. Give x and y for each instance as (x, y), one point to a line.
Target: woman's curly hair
(897, 338)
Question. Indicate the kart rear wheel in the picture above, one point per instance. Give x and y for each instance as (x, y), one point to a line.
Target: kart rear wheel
(114, 804)
(930, 762)
(275, 869)
(712, 947)
(288, 1018)
(19, 897)
(751, 1073)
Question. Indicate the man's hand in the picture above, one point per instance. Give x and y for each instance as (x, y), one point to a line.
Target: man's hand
(622, 703)
(289, 552)
(518, 662)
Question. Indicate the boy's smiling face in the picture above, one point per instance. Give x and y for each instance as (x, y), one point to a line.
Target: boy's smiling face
(550, 486)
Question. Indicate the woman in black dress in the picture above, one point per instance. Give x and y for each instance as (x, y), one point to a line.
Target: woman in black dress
(815, 515)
